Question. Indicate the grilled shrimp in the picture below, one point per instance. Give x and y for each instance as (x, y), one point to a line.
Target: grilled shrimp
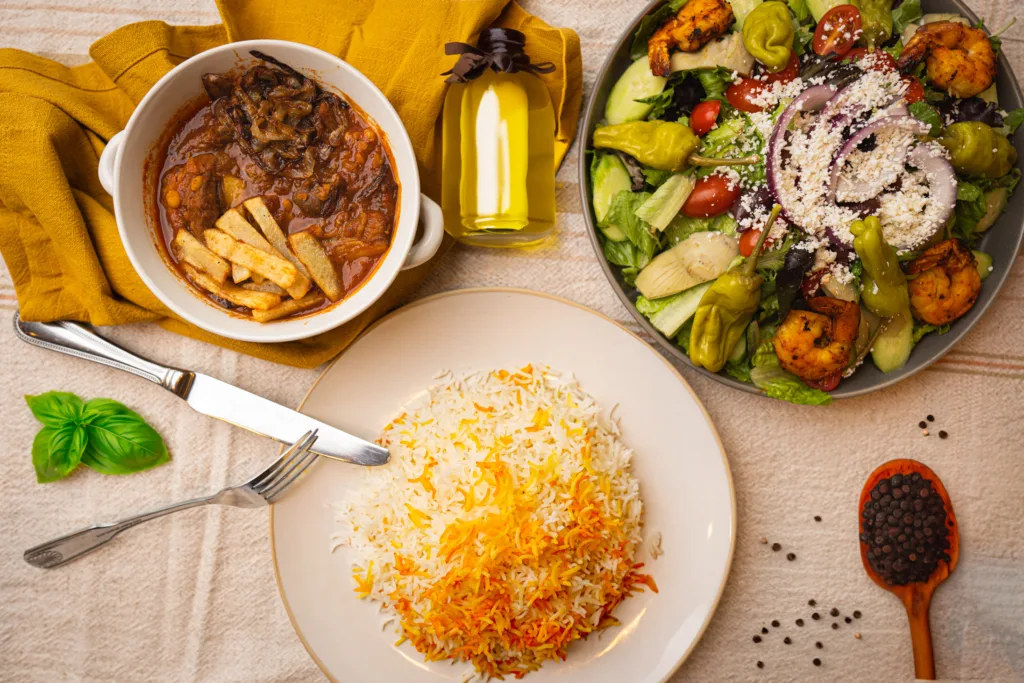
(960, 58)
(817, 343)
(698, 22)
(947, 282)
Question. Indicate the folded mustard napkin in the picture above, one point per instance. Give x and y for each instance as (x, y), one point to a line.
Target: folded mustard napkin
(57, 230)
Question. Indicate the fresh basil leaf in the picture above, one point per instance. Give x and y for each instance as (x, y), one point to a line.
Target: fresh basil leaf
(1013, 119)
(908, 12)
(785, 386)
(56, 451)
(922, 111)
(119, 439)
(56, 408)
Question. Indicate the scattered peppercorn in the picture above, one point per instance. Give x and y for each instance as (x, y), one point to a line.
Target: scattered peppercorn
(848, 620)
(757, 639)
(931, 418)
(856, 614)
(817, 518)
(811, 602)
(925, 432)
(787, 640)
(815, 616)
(943, 434)
(776, 547)
(834, 611)
(904, 527)
(922, 424)
(857, 636)
(775, 623)
(764, 629)
(799, 622)
(817, 662)
(790, 556)
(764, 540)
(760, 664)
(818, 645)
(834, 626)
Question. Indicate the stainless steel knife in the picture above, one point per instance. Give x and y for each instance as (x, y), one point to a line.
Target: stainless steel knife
(203, 393)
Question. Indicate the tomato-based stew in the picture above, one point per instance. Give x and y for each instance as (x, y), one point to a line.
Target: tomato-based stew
(276, 197)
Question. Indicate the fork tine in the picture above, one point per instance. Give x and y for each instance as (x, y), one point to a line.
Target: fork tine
(281, 487)
(293, 452)
(301, 450)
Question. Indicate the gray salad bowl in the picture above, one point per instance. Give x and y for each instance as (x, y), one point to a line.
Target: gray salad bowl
(1002, 240)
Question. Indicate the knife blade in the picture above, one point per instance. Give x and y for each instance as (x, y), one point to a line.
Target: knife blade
(203, 393)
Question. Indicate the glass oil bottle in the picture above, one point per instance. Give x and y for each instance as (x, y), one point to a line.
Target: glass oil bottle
(498, 174)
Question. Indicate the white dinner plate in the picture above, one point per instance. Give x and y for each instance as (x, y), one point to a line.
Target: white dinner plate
(678, 458)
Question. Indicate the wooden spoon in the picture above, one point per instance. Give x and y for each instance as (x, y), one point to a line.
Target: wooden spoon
(917, 596)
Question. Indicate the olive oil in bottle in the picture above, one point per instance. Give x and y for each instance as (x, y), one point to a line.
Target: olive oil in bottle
(498, 177)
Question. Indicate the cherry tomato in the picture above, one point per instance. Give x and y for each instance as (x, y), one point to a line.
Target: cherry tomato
(788, 74)
(712, 195)
(880, 59)
(915, 91)
(742, 93)
(704, 116)
(748, 240)
(837, 31)
(825, 383)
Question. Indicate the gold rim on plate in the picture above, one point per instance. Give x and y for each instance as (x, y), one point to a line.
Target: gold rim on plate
(516, 290)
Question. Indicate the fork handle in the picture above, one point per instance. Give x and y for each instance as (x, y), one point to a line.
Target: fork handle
(60, 551)
(74, 339)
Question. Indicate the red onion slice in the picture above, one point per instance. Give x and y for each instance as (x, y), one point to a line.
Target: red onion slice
(865, 189)
(812, 99)
(942, 181)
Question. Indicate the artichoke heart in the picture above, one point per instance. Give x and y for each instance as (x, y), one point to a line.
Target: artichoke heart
(701, 257)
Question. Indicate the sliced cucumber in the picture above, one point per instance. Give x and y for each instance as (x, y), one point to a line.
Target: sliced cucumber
(740, 10)
(609, 176)
(672, 317)
(893, 345)
(984, 264)
(995, 202)
(637, 82)
(820, 8)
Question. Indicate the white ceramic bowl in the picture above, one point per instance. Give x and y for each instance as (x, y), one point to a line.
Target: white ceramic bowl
(122, 174)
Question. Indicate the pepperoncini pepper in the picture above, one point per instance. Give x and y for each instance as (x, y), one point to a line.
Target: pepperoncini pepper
(876, 21)
(768, 34)
(975, 148)
(727, 307)
(883, 284)
(664, 145)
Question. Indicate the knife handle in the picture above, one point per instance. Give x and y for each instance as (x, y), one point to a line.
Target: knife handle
(78, 340)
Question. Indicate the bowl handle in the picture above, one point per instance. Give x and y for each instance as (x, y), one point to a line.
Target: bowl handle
(108, 163)
(426, 246)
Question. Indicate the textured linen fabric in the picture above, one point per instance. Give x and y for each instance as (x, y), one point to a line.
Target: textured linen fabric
(57, 230)
(192, 597)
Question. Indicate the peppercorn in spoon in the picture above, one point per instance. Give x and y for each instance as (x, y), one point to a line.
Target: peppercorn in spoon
(909, 543)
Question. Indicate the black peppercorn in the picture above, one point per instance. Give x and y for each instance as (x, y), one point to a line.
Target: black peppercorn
(760, 664)
(856, 614)
(817, 518)
(817, 662)
(834, 626)
(775, 623)
(757, 639)
(943, 434)
(848, 620)
(799, 622)
(787, 640)
(834, 612)
(790, 556)
(815, 616)
(776, 547)
(931, 418)
(811, 602)
(922, 424)
(818, 645)
(764, 629)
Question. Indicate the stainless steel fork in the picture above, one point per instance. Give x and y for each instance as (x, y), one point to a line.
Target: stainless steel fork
(261, 490)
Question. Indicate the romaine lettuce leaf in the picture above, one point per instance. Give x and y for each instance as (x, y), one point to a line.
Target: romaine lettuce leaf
(908, 12)
(785, 386)
(622, 213)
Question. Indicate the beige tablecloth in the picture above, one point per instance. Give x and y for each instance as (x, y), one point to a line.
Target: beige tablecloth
(192, 597)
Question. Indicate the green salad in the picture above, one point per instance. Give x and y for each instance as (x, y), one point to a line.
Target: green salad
(795, 187)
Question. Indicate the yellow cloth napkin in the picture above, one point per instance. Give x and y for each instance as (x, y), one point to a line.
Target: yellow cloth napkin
(57, 230)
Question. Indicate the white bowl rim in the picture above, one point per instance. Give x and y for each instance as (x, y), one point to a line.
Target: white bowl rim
(339, 313)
